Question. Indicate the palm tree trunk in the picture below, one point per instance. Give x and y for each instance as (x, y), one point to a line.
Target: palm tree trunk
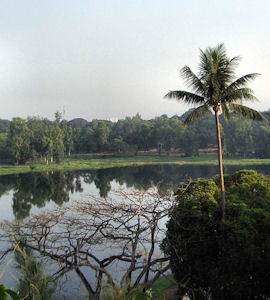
(220, 162)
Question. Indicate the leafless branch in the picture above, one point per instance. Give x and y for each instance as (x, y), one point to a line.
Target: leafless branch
(123, 229)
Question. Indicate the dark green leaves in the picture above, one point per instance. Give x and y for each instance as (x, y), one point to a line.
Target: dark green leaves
(5, 293)
(247, 112)
(229, 259)
(197, 114)
(192, 80)
(185, 97)
(242, 81)
(215, 84)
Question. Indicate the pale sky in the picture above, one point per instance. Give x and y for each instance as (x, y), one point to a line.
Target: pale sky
(115, 58)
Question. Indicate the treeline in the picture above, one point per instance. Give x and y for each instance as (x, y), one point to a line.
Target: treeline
(36, 139)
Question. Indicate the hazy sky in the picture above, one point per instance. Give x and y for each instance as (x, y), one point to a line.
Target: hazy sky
(114, 58)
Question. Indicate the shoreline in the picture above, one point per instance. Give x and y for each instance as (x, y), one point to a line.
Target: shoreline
(71, 164)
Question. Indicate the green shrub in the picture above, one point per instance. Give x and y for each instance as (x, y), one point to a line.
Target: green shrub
(217, 259)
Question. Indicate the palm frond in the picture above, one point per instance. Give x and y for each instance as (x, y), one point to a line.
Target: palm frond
(192, 80)
(197, 113)
(186, 97)
(247, 112)
(242, 81)
(205, 65)
(217, 71)
(238, 95)
(225, 111)
(234, 62)
(227, 70)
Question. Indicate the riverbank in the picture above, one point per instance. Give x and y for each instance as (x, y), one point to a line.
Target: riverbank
(110, 162)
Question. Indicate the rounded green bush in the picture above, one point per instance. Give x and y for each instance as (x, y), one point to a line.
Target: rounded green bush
(213, 258)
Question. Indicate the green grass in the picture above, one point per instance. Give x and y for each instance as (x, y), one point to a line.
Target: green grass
(163, 283)
(167, 286)
(110, 162)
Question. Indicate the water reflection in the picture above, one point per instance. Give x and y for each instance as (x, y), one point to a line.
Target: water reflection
(39, 188)
(112, 240)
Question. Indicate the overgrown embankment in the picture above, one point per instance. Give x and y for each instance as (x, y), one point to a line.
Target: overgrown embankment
(110, 162)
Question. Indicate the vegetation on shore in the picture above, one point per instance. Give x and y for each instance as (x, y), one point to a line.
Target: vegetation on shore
(111, 162)
(23, 141)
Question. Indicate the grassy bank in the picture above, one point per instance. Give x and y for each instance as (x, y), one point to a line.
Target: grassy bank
(110, 162)
(167, 286)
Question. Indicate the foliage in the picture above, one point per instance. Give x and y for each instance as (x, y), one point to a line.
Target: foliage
(215, 88)
(164, 283)
(33, 282)
(221, 259)
(5, 293)
(4, 153)
(19, 141)
(40, 140)
(140, 160)
(4, 125)
(110, 292)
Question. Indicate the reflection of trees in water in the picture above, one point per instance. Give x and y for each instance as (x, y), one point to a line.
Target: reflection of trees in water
(39, 188)
(6, 184)
(166, 177)
(112, 240)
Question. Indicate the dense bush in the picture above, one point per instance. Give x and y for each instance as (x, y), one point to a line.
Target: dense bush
(214, 259)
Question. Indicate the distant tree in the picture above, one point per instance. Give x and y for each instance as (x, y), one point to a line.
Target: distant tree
(118, 145)
(4, 125)
(102, 132)
(58, 117)
(67, 137)
(215, 88)
(38, 133)
(86, 140)
(238, 136)
(4, 153)
(77, 123)
(261, 140)
(57, 136)
(18, 141)
(189, 143)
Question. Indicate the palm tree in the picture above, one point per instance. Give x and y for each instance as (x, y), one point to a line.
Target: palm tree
(216, 88)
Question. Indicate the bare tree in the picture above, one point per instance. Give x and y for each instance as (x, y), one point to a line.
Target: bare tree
(123, 230)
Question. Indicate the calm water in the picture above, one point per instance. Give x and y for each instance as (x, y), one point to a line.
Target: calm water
(22, 195)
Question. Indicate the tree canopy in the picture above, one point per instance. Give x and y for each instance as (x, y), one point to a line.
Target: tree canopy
(222, 260)
(36, 139)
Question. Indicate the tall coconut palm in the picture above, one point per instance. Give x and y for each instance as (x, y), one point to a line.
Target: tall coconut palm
(215, 88)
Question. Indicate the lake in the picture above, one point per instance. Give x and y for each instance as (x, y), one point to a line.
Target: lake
(34, 193)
